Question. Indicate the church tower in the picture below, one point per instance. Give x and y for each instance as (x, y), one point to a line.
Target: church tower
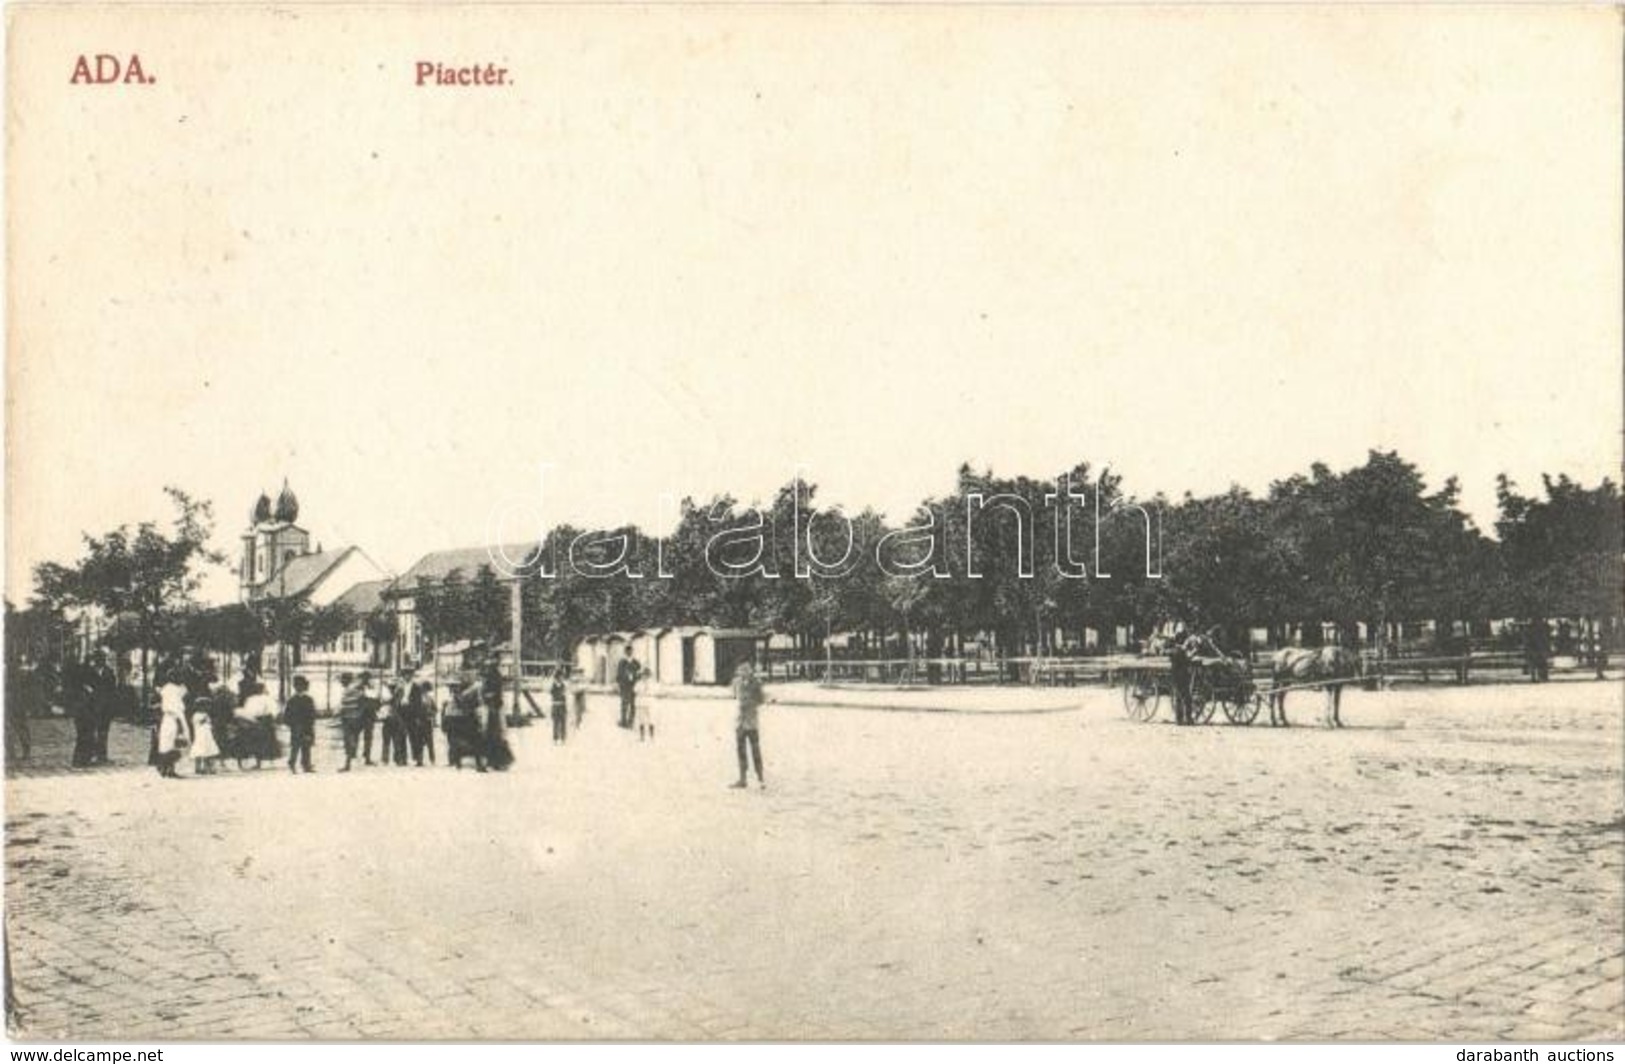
(272, 541)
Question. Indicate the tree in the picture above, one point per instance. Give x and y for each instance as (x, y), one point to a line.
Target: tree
(1563, 554)
(1371, 545)
(143, 573)
(321, 625)
(380, 626)
(233, 629)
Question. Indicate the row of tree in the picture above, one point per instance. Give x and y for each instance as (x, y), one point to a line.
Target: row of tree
(1020, 559)
(1015, 560)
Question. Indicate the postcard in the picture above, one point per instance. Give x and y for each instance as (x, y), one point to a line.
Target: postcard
(696, 522)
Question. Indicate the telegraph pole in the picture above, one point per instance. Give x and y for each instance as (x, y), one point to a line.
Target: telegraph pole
(516, 600)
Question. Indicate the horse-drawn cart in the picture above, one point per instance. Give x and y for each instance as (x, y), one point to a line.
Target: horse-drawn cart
(1216, 684)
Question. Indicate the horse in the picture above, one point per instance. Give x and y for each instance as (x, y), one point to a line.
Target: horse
(1326, 667)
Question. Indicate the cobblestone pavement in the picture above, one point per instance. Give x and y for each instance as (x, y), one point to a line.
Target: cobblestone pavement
(1447, 868)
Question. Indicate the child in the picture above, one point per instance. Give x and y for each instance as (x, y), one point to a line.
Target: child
(204, 749)
(643, 711)
(560, 708)
(300, 713)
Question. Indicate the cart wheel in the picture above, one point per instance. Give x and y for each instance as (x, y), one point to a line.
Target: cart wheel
(1141, 698)
(1243, 709)
(1203, 700)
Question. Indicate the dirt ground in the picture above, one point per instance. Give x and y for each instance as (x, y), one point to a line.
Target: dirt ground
(1448, 867)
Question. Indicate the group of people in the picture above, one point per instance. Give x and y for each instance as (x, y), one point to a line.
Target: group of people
(637, 713)
(208, 723)
(402, 712)
(93, 698)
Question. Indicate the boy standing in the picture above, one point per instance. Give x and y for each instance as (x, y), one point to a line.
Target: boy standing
(300, 713)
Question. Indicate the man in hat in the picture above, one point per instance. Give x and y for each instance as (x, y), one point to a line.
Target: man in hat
(627, 672)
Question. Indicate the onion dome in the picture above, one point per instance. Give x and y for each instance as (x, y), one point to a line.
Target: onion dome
(262, 510)
(287, 505)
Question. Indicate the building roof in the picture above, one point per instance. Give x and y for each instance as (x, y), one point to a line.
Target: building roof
(364, 597)
(437, 565)
(302, 574)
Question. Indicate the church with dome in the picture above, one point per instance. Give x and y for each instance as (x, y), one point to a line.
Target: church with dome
(279, 563)
(272, 543)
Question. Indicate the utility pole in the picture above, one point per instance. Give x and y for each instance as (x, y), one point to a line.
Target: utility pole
(516, 602)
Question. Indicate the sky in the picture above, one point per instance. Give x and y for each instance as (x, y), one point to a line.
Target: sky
(692, 250)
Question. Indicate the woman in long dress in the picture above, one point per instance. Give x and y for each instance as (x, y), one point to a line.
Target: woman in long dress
(256, 723)
(173, 732)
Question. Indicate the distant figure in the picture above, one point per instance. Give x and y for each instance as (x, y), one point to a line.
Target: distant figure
(559, 710)
(371, 698)
(1537, 651)
(352, 715)
(300, 713)
(245, 683)
(1461, 649)
(419, 711)
(463, 723)
(749, 696)
(643, 714)
(1179, 668)
(172, 733)
(19, 741)
(390, 712)
(498, 754)
(78, 702)
(205, 751)
(223, 706)
(255, 726)
(627, 673)
(105, 705)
